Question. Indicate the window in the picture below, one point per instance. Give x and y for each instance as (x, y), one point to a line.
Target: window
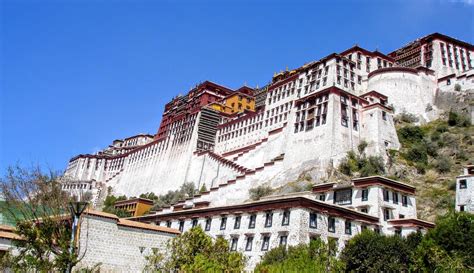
(233, 244)
(386, 195)
(463, 184)
(364, 210)
(286, 218)
(386, 214)
(384, 115)
(331, 224)
(181, 226)
(398, 232)
(168, 224)
(395, 197)
(268, 219)
(195, 222)
(265, 243)
(237, 222)
(248, 245)
(322, 197)
(461, 208)
(404, 200)
(252, 219)
(283, 240)
(343, 197)
(365, 194)
(313, 220)
(401, 216)
(208, 224)
(223, 222)
(348, 227)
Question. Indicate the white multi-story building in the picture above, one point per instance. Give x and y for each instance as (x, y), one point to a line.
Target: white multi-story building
(305, 120)
(332, 212)
(84, 190)
(465, 190)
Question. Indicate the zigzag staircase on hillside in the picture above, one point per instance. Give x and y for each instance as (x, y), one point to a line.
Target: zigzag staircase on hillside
(232, 181)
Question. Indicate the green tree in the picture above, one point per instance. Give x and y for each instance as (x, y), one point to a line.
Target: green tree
(316, 256)
(259, 192)
(372, 252)
(37, 204)
(454, 233)
(195, 251)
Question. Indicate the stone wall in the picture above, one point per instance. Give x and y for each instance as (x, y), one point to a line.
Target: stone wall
(117, 248)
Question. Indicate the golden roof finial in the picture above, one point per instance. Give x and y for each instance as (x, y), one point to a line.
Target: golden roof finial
(286, 68)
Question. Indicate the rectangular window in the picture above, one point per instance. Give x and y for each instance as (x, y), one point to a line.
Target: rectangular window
(195, 222)
(233, 244)
(404, 200)
(181, 226)
(283, 240)
(395, 197)
(343, 197)
(252, 219)
(461, 208)
(331, 224)
(208, 224)
(248, 245)
(286, 218)
(386, 195)
(265, 243)
(348, 227)
(364, 210)
(313, 220)
(168, 224)
(384, 115)
(223, 222)
(386, 214)
(268, 219)
(463, 184)
(365, 194)
(237, 222)
(322, 197)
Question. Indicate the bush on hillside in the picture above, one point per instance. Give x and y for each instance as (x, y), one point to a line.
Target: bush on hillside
(259, 192)
(458, 119)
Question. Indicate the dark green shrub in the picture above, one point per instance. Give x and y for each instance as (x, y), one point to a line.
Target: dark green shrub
(410, 134)
(458, 119)
(417, 153)
(259, 192)
(443, 164)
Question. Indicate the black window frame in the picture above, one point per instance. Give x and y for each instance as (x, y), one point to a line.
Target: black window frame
(386, 216)
(234, 243)
(386, 195)
(268, 219)
(365, 194)
(223, 223)
(395, 197)
(168, 224)
(207, 227)
(313, 220)
(404, 200)
(322, 197)
(462, 184)
(237, 221)
(194, 222)
(331, 224)
(249, 243)
(348, 227)
(181, 226)
(285, 221)
(252, 221)
(266, 238)
(283, 240)
(344, 202)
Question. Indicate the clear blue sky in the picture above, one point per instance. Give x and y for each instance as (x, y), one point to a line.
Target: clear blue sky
(76, 74)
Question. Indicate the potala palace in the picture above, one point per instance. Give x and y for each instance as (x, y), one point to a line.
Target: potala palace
(304, 121)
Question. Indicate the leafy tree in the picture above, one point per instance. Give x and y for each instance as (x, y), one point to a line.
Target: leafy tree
(410, 134)
(109, 203)
(454, 233)
(195, 251)
(372, 252)
(315, 257)
(37, 204)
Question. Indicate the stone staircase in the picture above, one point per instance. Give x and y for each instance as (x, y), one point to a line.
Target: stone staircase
(228, 163)
(114, 175)
(214, 190)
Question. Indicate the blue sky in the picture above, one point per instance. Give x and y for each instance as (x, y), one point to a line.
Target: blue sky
(76, 74)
